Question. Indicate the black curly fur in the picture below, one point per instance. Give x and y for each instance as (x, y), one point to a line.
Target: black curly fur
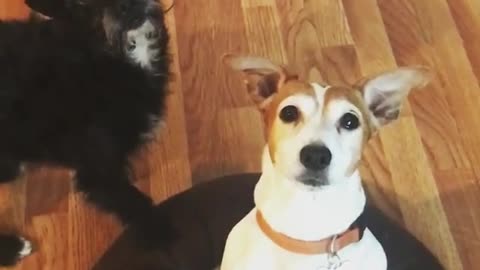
(70, 95)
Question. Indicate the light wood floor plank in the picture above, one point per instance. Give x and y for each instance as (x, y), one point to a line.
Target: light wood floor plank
(428, 205)
(433, 38)
(466, 14)
(207, 89)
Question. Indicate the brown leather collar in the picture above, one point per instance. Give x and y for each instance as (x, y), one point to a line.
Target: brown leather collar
(328, 245)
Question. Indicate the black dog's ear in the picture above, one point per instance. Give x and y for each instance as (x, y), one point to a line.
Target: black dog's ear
(50, 8)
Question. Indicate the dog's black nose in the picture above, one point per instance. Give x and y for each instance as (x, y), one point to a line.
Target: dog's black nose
(315, 157)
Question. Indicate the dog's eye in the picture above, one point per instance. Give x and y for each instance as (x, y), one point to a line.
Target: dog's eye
(289, 114)
(131, 46)
(349, 121)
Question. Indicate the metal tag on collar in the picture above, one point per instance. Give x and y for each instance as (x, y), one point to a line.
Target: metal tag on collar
(333, 260)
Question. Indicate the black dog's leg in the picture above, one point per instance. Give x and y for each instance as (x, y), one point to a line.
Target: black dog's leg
(103, 176)
(12, 249)
(108, 188)
(9, 168)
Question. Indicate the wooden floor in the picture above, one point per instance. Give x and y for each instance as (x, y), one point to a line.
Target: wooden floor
(424, 170)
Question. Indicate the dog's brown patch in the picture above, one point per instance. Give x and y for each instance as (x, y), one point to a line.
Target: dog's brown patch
(272, 132)
(275, 133)
(355, 97)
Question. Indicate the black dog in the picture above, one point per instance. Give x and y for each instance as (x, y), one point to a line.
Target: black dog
(85, 90)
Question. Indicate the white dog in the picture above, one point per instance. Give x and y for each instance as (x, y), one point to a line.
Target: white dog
(310, 200)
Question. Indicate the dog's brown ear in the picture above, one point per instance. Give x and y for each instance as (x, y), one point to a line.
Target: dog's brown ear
(385, 93)
(263, 78)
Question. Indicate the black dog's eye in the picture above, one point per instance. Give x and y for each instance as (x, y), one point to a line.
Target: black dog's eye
(349, 121)
(289, 114)
(131, 47)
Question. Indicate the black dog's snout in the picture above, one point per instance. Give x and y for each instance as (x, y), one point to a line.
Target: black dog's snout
(315, 157)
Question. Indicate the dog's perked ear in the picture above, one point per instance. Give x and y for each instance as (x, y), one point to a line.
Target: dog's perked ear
(262, 77)
(385, 93)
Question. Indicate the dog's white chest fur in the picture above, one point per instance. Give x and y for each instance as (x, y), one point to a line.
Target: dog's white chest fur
(302, 214)
(249, 249)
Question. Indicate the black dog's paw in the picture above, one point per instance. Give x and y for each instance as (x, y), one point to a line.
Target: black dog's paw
(13, 249)
(9, 170)
(141, 45)
(154, 233)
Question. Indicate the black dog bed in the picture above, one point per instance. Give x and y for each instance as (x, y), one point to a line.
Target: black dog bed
(205, 214)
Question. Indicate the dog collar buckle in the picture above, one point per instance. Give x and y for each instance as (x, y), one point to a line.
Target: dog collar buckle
(333, 259)
(333, 245)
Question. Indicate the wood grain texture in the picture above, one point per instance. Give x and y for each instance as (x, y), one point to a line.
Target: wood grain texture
(423, 170)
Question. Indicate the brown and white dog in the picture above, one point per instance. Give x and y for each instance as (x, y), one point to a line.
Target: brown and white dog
(309, 200)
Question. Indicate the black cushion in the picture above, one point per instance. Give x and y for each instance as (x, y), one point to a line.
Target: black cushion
(204, 215)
